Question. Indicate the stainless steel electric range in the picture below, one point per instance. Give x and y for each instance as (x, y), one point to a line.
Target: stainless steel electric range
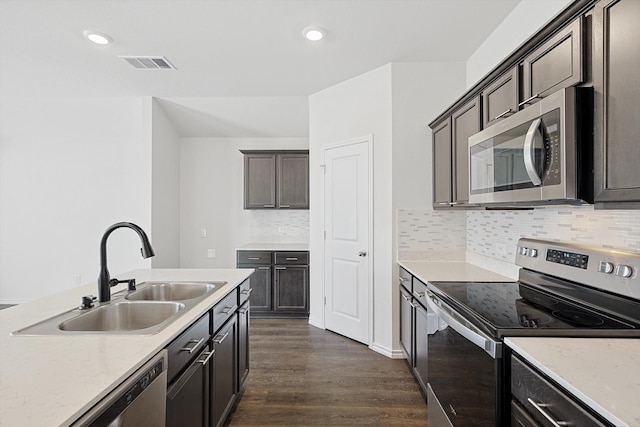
(566, 290)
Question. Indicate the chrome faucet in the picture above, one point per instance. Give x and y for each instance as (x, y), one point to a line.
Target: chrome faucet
(104, 280)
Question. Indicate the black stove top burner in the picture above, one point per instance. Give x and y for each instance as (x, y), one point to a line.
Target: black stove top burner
(510, 308)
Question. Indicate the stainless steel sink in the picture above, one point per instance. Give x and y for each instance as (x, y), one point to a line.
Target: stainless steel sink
(173, 291)
(123, 316)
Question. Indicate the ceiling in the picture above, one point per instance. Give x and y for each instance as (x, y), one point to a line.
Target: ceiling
(227, 48)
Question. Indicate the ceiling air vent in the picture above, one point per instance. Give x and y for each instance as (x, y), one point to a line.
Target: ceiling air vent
(149, 62)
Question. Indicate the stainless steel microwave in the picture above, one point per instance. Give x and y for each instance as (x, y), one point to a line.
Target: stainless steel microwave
(540, 155)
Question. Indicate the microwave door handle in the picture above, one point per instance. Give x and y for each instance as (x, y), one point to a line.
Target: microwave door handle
(529, 163)
(485, 343)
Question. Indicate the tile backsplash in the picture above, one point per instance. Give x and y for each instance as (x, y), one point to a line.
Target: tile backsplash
(278, 226)
(495, 233)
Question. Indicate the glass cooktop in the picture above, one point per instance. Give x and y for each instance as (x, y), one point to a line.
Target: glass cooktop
(505, 306)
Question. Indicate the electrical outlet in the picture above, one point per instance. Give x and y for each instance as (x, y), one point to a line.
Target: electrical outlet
(211, 253)
(78, 279)
(203, 232)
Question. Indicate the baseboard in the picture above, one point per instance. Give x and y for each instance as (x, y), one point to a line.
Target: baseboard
(392, 354)
(316, 324)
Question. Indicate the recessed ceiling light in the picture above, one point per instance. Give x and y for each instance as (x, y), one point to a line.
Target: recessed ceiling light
(97, 37)
(314, 33)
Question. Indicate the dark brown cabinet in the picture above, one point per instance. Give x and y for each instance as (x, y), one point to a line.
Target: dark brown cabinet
(225, 372)
(451, 154)
(616, 61)
(276, 179)
(500, 98)
(556, 64)
(280, 283)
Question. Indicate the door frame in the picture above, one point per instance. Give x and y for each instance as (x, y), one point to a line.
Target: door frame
(368, 139)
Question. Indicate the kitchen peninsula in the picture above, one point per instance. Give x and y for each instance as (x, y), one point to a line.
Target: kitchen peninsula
(52, 380)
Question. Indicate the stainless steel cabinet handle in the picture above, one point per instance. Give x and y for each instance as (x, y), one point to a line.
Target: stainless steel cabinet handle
(281, 268)
(247, 292)
(243, 310)
(228, 310)
(403, 279)
(292, 259)
(504, 113)
(264, 268)
(406, 297)
(218, 339)
(444, 203)
(285, 206)
(419, 294)
(362, 253)
(209, 354)
(269, 206)
(528, 100)
(192, 349)
(528, 151)
(254, 258)
(540, 408)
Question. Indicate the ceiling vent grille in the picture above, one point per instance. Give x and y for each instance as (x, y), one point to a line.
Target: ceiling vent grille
(149, 62)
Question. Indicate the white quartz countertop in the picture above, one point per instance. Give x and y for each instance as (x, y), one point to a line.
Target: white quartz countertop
(450, 271)
(53, 380)
(274, 247)
(603, 373)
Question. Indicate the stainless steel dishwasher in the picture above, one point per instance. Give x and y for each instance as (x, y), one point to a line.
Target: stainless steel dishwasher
(139, 401)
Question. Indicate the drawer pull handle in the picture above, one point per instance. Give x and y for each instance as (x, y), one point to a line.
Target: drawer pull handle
(229, 310)
(285, 206)
(192, 349)
(406, 297)
(254, 258)
(218, 339)
(540, 408)
(281, 268)
(402, 280)
(247, 292)
(528, 100)
(209, 354)
(291, 259)
(269, 206)
(504, 113)
(264, 268)
(243, 310)
(419, 294)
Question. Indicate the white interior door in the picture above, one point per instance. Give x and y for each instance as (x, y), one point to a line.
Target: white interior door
(347, 257)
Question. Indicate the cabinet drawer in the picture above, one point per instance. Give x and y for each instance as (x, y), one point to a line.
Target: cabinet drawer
(254, 257)
(245, 291)
(292, 258)
(420, 292)
(188, 345)
(405, 279)
(224, 309)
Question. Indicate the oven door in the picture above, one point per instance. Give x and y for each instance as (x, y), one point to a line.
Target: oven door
(465, 372)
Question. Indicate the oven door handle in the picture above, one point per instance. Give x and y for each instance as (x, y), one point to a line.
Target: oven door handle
(470, 332)
(529, 149)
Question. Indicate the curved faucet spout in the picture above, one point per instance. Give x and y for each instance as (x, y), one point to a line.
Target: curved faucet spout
(104, 287)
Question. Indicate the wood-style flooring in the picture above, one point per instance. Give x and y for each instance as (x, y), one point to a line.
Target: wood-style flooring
(301, 375)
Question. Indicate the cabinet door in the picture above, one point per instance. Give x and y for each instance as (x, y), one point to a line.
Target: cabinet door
(260, 287)
(260, 181)
(442, 165)
(291, 284)
(243, 344)
(616, 61)
(466, 122)
(420, 357)
(188, 397)
(554, 65)
(406, 321)
(293, 181)
(500, 98)
(225, 373)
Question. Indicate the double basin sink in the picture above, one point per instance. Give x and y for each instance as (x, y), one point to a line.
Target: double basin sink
(147, 310)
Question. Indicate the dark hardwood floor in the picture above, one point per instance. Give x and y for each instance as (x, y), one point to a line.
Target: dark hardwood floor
(301, 375)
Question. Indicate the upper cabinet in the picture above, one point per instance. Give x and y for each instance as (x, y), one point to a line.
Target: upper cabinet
(451, 156)
(616, 61)
(556, 64)
(500, 98)
(276, 179)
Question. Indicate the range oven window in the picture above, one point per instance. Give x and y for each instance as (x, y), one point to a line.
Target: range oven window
(464, 379)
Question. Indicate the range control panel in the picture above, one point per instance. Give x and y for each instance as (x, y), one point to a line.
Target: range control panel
(613, 270)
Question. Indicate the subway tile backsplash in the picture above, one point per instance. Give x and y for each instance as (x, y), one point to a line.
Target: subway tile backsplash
(495, 234)
(278, 226)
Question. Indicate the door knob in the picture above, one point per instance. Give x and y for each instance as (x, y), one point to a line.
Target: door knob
(362, 253)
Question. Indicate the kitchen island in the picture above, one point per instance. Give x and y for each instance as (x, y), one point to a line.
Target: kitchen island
(52, 380)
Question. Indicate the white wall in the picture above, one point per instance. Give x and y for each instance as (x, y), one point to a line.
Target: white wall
(211, 198)
(165, 192)
(369, 104)
(524, 21)
(69, 168)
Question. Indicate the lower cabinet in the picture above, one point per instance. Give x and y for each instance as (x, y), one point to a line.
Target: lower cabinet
(280, 283)
(209, 363)
(420, 356)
